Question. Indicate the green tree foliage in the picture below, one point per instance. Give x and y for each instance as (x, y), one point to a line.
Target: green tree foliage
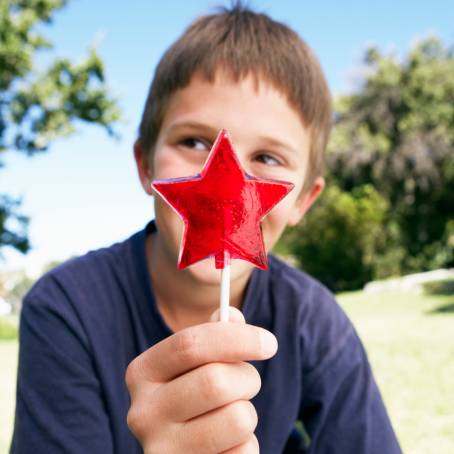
(12, 225)
(396, 133)
(38, 106)
(339, 240)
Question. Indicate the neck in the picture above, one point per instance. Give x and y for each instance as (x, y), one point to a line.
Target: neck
(182, 300)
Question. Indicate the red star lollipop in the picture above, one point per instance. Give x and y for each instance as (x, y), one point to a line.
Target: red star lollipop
(222, 208)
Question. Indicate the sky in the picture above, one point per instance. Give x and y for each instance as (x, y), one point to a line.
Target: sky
(84, 192)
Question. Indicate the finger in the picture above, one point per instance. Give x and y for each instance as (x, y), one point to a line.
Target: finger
(198, 345)
(206, 388)
(235, 315)
(249, 447)
(220, 429)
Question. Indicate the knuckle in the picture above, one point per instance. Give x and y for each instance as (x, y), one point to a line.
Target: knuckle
(135, 421)
(251, 446)
(145, 426)
(243, 418)
(213, 381)
(186, 346)
(254, 377)
(158, 445)
(144, 415)
(132, 372)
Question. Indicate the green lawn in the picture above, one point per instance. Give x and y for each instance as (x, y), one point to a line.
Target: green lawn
(410, 341)
(8, 357)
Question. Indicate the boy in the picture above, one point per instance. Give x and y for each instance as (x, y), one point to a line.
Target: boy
(127, 309)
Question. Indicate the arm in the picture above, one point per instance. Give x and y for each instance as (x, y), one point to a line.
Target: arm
(59, 398)
(342, 409)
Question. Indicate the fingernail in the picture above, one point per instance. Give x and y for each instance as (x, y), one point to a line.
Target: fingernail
(269, 343)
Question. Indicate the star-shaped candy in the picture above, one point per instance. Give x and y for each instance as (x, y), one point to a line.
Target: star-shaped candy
(222, 208)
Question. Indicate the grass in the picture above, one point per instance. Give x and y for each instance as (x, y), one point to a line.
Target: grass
(8, 327)
(8, 355)
(410, 342)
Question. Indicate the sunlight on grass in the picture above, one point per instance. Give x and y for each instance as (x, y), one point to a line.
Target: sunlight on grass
(410, 342)
(8, 355)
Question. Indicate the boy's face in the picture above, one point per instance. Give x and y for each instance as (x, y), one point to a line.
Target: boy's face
(269, 140)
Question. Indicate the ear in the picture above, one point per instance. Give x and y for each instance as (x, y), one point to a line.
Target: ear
(306, 200)
(143, 167)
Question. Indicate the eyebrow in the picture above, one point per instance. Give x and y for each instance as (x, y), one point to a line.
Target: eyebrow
(277, 143)
(195, 125)
(212, 131)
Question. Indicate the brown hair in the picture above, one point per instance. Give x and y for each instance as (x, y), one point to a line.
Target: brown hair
(243, 42)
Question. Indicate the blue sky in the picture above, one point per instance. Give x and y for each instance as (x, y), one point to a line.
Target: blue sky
(84, 193)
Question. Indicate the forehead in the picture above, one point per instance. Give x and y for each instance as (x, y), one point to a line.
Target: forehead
(247, 107)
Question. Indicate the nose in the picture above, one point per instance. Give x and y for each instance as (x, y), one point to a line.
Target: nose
(241, 155)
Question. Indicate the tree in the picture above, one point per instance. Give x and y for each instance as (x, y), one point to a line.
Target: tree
(396, 134)
(339, 241)
(14, 236)
(37, 107)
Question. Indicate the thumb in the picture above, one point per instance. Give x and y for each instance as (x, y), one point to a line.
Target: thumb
(235, 315)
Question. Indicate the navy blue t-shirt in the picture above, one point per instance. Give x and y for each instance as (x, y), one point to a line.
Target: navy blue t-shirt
(85, 321)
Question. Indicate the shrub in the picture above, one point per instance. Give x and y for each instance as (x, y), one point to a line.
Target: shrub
(345, 239)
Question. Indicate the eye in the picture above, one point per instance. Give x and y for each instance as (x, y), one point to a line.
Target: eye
(195, 143)
(267, 159)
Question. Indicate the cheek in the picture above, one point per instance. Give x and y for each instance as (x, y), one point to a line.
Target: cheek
(274, 224)
(169, 223)
(280, 216)
(284, 209)
(167, 164)
(170, 162)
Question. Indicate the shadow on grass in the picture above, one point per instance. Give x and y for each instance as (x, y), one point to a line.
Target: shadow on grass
(445, 287)
(443, 309)
(441, 288)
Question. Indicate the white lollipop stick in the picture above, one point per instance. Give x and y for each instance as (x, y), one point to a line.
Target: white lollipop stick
(225, 293)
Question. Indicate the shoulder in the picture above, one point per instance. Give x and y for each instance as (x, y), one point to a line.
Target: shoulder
(83, 279)
(86, 297)
(308, 297)
(322, 327)
(296, 281)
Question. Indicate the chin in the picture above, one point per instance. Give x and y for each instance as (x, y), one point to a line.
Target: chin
(204, 272)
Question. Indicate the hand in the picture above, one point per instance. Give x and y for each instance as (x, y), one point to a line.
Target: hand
(191, 392)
